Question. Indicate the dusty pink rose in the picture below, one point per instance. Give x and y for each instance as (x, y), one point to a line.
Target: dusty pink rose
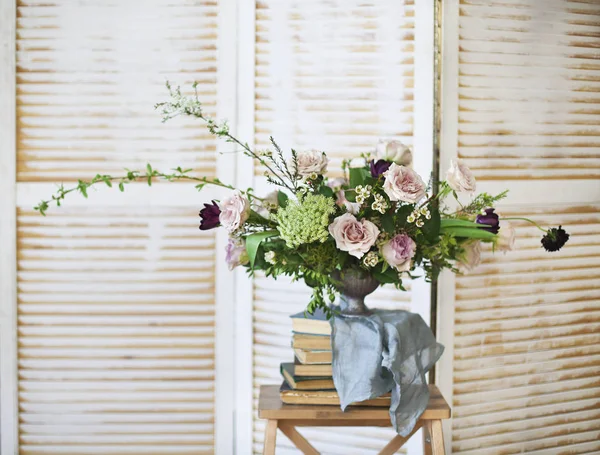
(506, 237)
(351, 207)
(403, 184)
(235, 253)
(355, 237)
(394, 151)
(312, 162)
(471, 257)
(399, 251)
(460, 178)
(235, 210)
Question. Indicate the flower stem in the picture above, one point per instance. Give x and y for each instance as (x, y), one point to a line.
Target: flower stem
(524, 219)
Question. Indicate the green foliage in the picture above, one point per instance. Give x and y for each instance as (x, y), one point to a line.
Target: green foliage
(359, 176)
(254, 240)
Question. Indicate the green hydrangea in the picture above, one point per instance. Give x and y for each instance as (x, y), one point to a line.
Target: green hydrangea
(306, 220)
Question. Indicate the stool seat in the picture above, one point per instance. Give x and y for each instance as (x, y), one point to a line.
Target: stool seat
(288, 416)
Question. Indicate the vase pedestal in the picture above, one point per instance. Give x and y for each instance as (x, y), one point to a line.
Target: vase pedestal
(287, 417)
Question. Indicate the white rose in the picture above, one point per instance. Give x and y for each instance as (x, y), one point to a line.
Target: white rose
(235, 210)
(460, 178)
(403, 184)
(394, 151)
(352, 207)
(312, 162)
(506, 237)
(355, 237)
(471, 257)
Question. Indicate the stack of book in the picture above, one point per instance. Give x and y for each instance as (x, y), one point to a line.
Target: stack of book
(308, 380)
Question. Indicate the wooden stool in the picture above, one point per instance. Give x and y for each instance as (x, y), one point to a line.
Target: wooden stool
(286, 417)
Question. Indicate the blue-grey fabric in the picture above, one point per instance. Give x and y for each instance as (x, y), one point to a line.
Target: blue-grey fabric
(388, 350)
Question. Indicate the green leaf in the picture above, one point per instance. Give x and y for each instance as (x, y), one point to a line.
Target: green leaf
(387, 223)
(200, 186)
(431, 228)
(449, 222)
(402, 213)
(121, 186)
(359, 176)
(470, 233)
(325, 191)
(282, 199)
(384, 277)
(253, 241)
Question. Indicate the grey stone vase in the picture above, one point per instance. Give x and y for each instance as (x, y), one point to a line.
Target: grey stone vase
(354, 286)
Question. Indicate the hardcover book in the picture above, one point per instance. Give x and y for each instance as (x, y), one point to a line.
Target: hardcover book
(305, 341)
(305, 382)
(313, 357)
(324, 397)
(315, 324)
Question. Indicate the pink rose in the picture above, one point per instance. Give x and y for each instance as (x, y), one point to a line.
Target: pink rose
(471, 257)
(460, 178)
(351, 207)
(355, 237)
(235, 253)
(235, 210)
(403, 184)
(312, 162)
(394, 151)
(399, 251)
(506, 237)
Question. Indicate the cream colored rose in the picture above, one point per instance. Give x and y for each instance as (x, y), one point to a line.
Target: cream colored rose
(460, 178)
(394, 151)
(506, 237)
(355, 237)
(403, 184)
(312, 162)
(471, 257)
(235, 210)
(351, 207)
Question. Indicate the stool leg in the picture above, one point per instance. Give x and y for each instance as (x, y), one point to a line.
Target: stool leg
(437, 437)
(270, 437)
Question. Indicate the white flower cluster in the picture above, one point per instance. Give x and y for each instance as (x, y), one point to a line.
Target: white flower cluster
(417, 214)
(363, 193)
(380, 204)
(270, 257)
(371, 259)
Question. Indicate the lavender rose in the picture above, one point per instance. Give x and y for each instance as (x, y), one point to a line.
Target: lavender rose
(460, 178)
(403, 184)
(355, 237)
(235, 210)
(471, 257)
(491, 219)
(399, 251)
(209, 216)
(394, 151)
(235, 253)
(379, 167)
(312, 162)
(506, 237)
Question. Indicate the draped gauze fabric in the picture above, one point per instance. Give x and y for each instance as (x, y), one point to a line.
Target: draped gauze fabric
(388, 350)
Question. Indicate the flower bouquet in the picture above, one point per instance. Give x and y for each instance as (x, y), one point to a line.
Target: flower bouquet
(348, 235)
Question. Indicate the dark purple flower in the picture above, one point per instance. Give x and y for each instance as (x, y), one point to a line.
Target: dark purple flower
(555, 239)
(379, 167)
(209, 216)
(491, 219)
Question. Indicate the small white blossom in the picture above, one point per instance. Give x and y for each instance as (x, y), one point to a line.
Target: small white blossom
(411, 218)
(371, 259)
(270, 257)
(419, 223)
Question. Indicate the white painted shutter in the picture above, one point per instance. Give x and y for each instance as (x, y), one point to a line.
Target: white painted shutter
(527, 324)
(334, 76)
(115, 301)
(89, 75)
